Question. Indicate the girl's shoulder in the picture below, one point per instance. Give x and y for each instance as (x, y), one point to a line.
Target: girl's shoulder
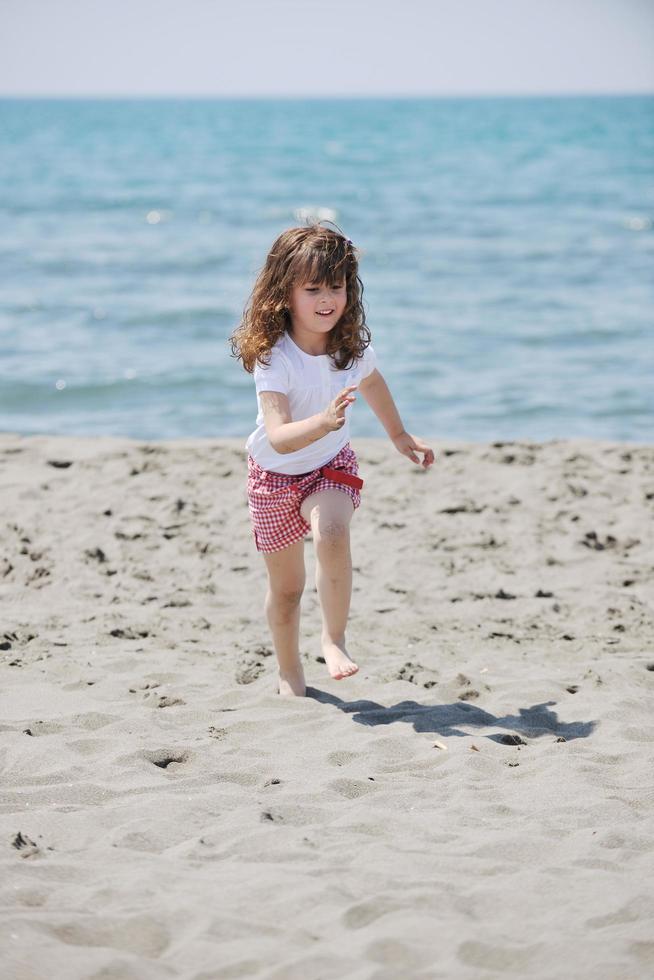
(366, 364)
(280, 352)
(368, 356)
(277, 352)
(274, 366)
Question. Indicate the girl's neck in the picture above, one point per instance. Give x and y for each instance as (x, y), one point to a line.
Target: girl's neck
(308, 343)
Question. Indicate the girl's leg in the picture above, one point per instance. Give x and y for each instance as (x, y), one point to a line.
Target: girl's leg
(286, 578)
(329, 512)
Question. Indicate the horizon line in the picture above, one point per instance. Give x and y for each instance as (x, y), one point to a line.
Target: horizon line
(88, 96)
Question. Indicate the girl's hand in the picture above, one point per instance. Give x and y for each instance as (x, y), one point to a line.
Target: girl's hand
(334, 414)
(406, 444)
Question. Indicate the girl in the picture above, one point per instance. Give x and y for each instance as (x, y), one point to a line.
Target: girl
(304, 337)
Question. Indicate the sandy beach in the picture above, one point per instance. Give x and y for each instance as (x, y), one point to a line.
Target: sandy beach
(476, 802)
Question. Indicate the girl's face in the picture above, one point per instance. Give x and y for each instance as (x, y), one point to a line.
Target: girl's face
(317, 307)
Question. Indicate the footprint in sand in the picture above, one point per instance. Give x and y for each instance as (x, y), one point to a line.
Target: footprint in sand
(269, 816)
(148, 688)
(503, 959)
(38, 728)
(351, 789)
(167, 701)
(468, 693)
(137, 934)
(415, 673)
(217, 733)
(163, 758)
(362, 915)
(129, 633)
(249, 670)
(158, 700)
(27, 847)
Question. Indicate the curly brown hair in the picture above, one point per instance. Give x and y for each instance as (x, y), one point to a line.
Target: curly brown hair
(300, 255)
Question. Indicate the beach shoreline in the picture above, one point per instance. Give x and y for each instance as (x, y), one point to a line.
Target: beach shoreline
(472, 803)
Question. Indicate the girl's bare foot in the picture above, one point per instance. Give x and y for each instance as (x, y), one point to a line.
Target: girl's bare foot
(292, 684)
(339, 663)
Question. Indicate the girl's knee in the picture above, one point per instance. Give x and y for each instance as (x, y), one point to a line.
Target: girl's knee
(331, 530)
(287, 596)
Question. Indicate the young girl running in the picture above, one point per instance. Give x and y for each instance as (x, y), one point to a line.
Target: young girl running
(303, 336)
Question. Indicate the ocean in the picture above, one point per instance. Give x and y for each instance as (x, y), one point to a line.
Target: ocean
(507, 248)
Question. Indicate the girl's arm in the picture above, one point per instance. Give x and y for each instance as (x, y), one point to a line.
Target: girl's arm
(286, 436)
(376, 392)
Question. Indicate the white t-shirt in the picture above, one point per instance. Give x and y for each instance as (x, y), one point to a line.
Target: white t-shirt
(311, 382)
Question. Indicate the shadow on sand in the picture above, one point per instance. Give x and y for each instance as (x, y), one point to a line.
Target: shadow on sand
(445, 719)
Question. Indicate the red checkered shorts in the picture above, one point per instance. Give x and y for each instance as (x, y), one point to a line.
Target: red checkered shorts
(274, 499)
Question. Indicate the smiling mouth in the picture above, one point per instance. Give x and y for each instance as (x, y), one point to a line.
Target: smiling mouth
(324, 312)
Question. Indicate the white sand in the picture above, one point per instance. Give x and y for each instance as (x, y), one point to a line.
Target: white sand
(180, 819)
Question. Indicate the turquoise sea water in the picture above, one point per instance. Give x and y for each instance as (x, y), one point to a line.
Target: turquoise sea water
(507, 258)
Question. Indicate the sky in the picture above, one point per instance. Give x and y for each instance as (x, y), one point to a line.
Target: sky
(303, 48)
